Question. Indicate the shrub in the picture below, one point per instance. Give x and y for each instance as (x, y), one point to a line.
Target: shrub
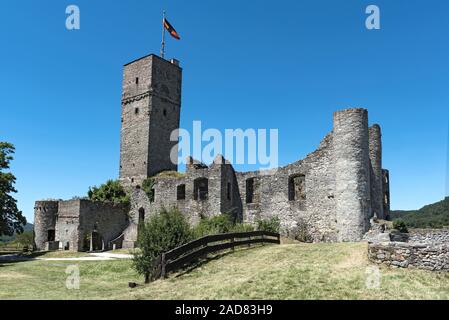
(112, 190)
(400, 226)
(161, 233)
(272, 224)
(147, 186)
(213, 225)
(25, 239)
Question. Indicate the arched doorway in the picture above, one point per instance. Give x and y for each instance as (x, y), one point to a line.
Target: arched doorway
(96, 242)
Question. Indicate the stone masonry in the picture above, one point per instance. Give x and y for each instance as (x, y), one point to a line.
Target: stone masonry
(331, 194)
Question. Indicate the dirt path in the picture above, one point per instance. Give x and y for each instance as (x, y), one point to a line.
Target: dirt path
(100, 256)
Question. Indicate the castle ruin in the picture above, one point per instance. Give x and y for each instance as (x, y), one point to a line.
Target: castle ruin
(332, 193)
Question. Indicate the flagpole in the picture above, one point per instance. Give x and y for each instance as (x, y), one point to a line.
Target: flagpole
(163, 36)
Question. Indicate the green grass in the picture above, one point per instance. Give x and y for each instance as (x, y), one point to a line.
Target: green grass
(290, 271)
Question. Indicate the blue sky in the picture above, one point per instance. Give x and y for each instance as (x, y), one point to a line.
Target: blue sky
(266, 64)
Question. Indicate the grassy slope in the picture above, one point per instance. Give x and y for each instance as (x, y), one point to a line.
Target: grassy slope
(304, 271)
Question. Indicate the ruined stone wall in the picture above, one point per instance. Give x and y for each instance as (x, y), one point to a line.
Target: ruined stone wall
(107, 218)
(438, 236)
(414, 255)
(78, 218)
(45, 214)
(67, 226)
(271, 196)
(375, 154)
(352, 173)
(386, 193)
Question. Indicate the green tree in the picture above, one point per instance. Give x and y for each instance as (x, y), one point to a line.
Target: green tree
(109, 191)
(25, 239)
(11, 218)
(162, 232)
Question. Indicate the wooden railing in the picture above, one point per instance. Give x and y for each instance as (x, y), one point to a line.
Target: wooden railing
(181, 256)
(14, 248)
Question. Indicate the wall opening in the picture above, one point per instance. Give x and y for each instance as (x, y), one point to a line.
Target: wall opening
(250, 190)
(51, 235)
(96, 242)
(229, 191)
(181, 192)
(200, 188)
(297, 187)
(141, 216)
(137, 80)
(136, 111)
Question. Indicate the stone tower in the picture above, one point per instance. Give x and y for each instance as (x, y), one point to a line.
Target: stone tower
(352, 173)
(151, 105)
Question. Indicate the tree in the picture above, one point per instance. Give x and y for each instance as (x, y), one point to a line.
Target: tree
(162, 232)
(109, 191)
(25, 239)
(11, 218)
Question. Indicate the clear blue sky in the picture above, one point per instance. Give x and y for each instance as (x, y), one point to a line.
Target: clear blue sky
(266, 64)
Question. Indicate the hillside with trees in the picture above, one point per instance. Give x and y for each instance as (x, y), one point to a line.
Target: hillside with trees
(431, 216)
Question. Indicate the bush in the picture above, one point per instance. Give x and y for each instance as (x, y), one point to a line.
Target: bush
(213, 225)
(109, 191)
(147, 187)
(25, 239)
(400, 226)
(161, 233)
(272, 224)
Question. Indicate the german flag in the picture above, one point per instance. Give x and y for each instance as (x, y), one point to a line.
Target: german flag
(170, 29)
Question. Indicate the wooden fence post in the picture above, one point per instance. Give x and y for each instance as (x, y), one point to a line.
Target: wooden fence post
(163, 273)
(232, 243)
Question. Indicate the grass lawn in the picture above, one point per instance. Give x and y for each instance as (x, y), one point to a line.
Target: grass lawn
(290, 271)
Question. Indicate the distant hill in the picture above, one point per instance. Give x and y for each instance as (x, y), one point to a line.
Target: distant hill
(27, 227)
(431, 216)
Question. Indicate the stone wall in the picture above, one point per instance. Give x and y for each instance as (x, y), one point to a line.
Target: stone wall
(335, 195)
(414, 255)
(438, 236)
(74, 221)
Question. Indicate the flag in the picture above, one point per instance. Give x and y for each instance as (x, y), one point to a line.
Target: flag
(170, 29)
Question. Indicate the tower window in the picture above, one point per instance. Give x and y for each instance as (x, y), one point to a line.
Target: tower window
(51, 235)
(200, 189)
(297, 187)
(164, 112)
(249, 190)
(137, 80)
(228, 191)
(136, 111)
(181, 192)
